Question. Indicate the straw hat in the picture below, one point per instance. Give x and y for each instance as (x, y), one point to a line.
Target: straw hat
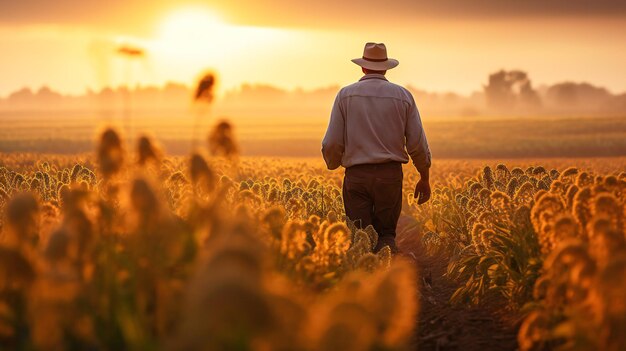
(375, 58)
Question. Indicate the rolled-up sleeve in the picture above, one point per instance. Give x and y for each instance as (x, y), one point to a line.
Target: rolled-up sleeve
(416, 143)
(333, 145)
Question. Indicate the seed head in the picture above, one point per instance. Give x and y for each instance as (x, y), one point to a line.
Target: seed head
(487, 177)
(582, 210)
(565, 227)
(554, 174)
(584, 179)
(16, 272)
(147, 151)
(605, 242)
(517, 172)
(332, 217)
(144, 200)
(569, 195)
(204, 90)
(275, 219)
(201, 173)
(570, 172)
(512, 187)
(606, 205)
(22, 218)
(110, 153)
(534, 331)
(369, 262)
(222, 141)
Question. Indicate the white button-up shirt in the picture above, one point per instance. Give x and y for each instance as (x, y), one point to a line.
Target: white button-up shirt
(375, 121)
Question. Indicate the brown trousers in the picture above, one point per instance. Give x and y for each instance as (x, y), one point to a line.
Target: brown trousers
(372, 194)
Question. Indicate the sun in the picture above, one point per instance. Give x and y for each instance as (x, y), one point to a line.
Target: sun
(191, 23)
(189, 41)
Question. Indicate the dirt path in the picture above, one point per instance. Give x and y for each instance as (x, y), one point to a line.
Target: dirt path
(445, 327)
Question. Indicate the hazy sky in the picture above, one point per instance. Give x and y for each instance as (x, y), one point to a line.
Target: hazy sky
(442, 45)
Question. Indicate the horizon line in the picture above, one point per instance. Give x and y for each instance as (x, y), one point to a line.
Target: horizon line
(238, 88)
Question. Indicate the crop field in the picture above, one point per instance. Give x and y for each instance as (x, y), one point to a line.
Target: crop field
(139, 250)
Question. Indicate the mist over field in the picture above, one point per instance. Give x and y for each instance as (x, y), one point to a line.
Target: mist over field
(503, 94)
(508, 117)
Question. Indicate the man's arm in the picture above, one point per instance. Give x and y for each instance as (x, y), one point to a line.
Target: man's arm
(333, 144)
(417, 148)
(416, 143)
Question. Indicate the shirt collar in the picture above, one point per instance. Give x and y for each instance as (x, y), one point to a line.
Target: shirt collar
(373, 76)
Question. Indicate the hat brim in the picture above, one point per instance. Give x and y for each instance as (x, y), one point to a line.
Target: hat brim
(376, 66)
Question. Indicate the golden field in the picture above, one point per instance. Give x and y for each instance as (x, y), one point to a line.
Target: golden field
(132, 249)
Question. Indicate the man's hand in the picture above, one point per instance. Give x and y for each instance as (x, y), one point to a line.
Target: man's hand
(422, 191)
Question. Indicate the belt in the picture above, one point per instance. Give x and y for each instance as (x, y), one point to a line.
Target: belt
(376, 166)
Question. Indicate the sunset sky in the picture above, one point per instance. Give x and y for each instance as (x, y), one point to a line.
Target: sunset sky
(444, 45)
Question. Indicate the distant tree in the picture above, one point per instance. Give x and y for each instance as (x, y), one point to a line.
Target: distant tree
(619, 102)
(528, 96)
(508, 89)
(46, 97)
(23, 96)
(578, 95)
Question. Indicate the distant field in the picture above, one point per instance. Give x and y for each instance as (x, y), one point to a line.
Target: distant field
(74, 132)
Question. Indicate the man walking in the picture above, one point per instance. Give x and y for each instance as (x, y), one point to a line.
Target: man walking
(374, 127)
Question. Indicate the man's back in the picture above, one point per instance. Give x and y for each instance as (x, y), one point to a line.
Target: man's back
(372, 122)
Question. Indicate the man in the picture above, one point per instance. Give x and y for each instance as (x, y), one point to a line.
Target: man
(374, 127)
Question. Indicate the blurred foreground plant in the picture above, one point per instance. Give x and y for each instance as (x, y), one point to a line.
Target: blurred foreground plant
(192, 253)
